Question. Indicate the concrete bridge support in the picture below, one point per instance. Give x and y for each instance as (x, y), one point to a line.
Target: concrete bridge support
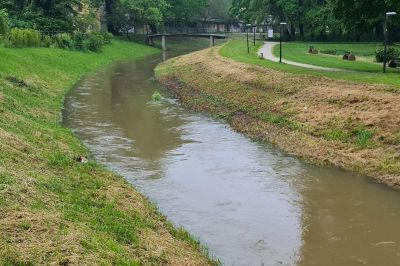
(150, 41)
(163, 43)
(211, 41)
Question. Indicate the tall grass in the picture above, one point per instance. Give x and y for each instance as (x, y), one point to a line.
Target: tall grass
(20, 38)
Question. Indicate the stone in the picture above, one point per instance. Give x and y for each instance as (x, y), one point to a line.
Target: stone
(351, 57)
(82, 159)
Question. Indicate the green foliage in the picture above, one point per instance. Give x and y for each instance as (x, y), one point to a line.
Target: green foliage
(392, 53)
(83, 41)
(46, 16)
(68, 16)
(4, 22)
(47, 41)
(63, 41)
(24, 38)
(93, 42)
(185, 12)
(363, 137)
(320, 19)
(156, 96)
(107, 37)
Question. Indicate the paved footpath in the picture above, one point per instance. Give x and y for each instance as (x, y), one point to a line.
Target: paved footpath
(266, 50)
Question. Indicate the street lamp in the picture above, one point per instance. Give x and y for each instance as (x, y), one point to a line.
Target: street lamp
(386, 33)
(247, 33)
(280, 41)
(254, 34)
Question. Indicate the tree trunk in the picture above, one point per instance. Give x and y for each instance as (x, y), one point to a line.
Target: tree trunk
(301, 29)
(109, 7)
(292, 32)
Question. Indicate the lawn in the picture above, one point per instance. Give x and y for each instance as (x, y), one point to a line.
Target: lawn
(236, 49)
(55, 210)
(330, 55)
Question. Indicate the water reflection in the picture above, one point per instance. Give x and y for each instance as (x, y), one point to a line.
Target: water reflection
(247, 201)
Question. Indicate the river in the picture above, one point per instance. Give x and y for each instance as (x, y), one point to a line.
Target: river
(250, 203)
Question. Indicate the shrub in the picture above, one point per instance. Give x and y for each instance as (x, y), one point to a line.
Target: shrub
(107, 37)
(392, 53)
(94, 42)
(47, 41)
(156, 96)
(24, 38)
(64, 41)
(91, 41)
(79, 41)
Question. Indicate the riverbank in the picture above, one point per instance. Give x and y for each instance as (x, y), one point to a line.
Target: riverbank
(53, 208)
(346, 124)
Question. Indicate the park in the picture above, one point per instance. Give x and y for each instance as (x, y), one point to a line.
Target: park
(224, 132)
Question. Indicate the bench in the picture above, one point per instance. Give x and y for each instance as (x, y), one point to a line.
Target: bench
(394, 62)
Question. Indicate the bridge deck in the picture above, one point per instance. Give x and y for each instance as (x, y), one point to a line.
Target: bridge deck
(216, 36)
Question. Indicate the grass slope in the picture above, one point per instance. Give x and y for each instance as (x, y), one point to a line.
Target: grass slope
(236, 49)
(365, 53)
(53, 209)
(331, 122)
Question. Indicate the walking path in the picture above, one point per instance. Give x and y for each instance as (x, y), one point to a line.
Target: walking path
(267, 53)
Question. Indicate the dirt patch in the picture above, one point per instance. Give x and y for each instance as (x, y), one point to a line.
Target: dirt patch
(17, 82)
(345, 124)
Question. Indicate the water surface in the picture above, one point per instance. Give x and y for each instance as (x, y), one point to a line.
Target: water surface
(247, 201)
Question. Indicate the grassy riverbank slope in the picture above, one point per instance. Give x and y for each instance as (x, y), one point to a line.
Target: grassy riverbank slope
(328, 121)
(53, 209)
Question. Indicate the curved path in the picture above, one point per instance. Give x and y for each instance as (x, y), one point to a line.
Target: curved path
(267, 52)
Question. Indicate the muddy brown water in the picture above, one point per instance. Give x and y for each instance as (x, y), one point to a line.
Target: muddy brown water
(248, 202)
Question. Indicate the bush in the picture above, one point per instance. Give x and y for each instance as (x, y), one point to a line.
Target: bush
(91, 41)
(94, 42)
(392, 53)
(47, 41)
(79, 41)
(64, 41)
(107, 37)
(24, 38)
(156, 96)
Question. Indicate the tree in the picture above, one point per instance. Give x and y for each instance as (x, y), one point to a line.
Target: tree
(319, 17)
(184, 12)
(361, 16)
(3, 22)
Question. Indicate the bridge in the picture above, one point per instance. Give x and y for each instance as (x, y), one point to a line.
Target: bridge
(163, 37)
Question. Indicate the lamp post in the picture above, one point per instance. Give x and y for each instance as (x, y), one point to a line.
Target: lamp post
(386, 33)
(280, 41)
(247, 34)
(254, 35)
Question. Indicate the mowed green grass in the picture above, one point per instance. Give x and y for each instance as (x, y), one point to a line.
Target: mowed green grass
(365, 53)
(236, 49)
(53, 209)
